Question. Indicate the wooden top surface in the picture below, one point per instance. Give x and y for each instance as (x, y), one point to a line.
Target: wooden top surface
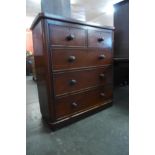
(65, 19)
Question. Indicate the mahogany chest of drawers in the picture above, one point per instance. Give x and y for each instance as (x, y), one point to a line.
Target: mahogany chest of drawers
(74, 69)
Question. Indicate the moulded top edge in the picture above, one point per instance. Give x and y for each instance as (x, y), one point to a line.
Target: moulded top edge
(65, 19)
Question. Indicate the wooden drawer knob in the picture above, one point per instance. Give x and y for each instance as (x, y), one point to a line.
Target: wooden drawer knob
(73, 82)
(70, 37)
(102, 94)
(100, 39)
(102, 75)
(71, 58)
(74, 104)
(102, 56)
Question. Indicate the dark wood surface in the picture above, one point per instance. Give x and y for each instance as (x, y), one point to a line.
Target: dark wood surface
(82, 79)
(121, 46)
(76, 117)
(67, 106)
(67, 36)
(121, 22)
(100, 39)
(73, 62)
(121, 59)
(41, 70)
(83, 58)
(121, 73)
(66, 19)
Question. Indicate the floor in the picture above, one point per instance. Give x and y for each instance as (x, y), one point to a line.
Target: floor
(104, 133)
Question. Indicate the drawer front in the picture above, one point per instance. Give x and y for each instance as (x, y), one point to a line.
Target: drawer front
(78, 58)
(76, 81)
(67, 36)
(100, 39)
(67, 106)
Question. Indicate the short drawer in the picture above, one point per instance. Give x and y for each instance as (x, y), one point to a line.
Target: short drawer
(82, 79)
(100, 39)
(63, 59)
(67, 106)
(67, 36)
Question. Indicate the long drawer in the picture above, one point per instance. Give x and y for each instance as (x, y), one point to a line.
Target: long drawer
(67, 106)
(77, 80)
(63, 59)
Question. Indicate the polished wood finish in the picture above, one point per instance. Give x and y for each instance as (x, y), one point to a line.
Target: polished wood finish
(41, 65)
(83, 58)
(81, 79)
(67, 36)
(66, 19)
(69, 105)
(73, 68)
(101, 39)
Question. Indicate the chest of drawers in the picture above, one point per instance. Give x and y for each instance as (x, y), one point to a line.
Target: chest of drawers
(74, 71)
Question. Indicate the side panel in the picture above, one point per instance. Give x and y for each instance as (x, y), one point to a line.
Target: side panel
(42, 71)
(121, 23)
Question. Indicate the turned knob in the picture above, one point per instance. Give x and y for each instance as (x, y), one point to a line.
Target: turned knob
(102, 94)
(73, 82)
(74, 104)
(100, 39)
(102, 56)
(70, 37)
(71, 58)
(102, 75)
